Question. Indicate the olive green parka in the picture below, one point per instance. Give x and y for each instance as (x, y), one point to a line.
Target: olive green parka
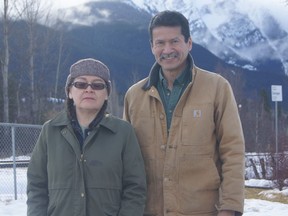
(107, 178)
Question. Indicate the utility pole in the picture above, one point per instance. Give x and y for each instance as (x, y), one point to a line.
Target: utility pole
(276, 93)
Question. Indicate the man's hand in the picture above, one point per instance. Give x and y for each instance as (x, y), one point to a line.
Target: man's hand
(226, 213)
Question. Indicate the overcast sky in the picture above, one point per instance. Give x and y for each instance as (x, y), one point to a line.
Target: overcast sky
(68, 3)
(278, 8)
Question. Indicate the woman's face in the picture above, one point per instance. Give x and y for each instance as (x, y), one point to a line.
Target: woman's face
(87, 99)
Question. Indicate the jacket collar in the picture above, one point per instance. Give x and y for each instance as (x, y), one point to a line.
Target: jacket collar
(154, 73)
(62, 120)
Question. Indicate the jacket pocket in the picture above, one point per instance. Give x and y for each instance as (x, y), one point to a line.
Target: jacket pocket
(144, 128)
(199, 183)
(197, 124)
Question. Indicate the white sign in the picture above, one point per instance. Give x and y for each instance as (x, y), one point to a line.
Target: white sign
(276, 92)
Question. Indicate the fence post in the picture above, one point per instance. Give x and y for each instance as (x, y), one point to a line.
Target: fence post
(14, 161)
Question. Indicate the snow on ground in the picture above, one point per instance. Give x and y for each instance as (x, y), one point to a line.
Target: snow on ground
(11, 207)
(256, 207)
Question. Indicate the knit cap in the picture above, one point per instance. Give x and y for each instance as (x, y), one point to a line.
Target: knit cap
(90, 67)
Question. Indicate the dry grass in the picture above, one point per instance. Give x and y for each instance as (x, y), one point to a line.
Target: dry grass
(256, 193)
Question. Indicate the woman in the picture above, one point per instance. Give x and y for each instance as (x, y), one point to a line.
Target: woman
(86, 162)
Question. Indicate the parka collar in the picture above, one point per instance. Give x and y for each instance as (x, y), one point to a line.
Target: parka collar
(62, 120)
(154, 74)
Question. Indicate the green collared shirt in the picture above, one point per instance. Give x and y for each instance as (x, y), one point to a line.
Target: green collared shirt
(171, 98)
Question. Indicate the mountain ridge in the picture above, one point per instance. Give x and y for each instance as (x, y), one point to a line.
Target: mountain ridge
(232, 34)
(255, 78)
(124, 46)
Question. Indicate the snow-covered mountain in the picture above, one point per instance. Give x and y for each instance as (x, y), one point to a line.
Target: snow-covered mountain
(244, 32)
(252, 34)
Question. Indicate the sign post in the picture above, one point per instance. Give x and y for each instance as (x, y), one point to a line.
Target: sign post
(276, 93)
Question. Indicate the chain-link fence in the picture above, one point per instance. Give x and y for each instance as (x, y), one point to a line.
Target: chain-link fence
(16, 145)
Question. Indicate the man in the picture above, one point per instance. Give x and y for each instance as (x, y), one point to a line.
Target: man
(187, 124)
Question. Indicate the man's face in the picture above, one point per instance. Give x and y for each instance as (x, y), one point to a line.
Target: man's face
(170, 49)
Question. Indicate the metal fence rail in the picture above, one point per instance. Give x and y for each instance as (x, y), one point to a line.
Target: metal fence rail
(16, 145)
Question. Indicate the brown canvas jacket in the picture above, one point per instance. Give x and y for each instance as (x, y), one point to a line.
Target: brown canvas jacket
(199, 167)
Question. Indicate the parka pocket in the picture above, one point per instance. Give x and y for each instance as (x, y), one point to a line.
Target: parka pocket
(59, 199)
(110, 210)
(51, 209)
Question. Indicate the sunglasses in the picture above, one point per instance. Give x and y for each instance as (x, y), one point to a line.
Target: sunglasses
(84, 85)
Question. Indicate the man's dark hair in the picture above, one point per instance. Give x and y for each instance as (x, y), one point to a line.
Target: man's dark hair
(170, 19)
